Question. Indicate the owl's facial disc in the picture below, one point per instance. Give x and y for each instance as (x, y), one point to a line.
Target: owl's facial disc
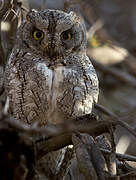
(58, 33)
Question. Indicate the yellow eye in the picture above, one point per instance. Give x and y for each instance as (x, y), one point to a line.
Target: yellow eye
(66, 36)
(37, 34)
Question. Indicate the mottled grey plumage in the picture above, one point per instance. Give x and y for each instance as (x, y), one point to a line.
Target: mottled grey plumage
(50, 79)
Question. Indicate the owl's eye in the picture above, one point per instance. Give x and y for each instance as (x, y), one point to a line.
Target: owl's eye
(37, 34)
(66, 36)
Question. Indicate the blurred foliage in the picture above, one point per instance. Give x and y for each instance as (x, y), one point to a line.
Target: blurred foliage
(94, 42)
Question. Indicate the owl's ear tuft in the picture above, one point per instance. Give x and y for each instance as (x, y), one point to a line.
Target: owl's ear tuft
(74, 17)
(72, 14)
(32, 14)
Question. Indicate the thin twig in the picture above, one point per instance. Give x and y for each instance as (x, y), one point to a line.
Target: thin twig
(114, 118)
(121, 157)
(123, 77)
(95, 27)
(112, 157)
(5, 5)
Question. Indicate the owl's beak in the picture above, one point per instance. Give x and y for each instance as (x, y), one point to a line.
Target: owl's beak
(51, 52)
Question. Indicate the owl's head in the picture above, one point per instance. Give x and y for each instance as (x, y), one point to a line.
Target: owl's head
(54, 33)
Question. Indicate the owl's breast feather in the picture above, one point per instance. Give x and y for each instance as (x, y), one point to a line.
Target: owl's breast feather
(54, 80)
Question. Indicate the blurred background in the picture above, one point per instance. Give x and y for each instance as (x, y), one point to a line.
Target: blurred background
(111, 33)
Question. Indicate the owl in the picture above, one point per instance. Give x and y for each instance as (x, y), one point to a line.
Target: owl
(48, 77)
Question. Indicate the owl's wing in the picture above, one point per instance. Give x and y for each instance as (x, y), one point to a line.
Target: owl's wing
(85, 92)
(92, 77)
(24, 87)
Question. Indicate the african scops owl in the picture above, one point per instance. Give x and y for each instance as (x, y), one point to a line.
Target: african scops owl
(49, 77)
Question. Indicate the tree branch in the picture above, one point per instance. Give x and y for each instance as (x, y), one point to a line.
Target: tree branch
(114, 118)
